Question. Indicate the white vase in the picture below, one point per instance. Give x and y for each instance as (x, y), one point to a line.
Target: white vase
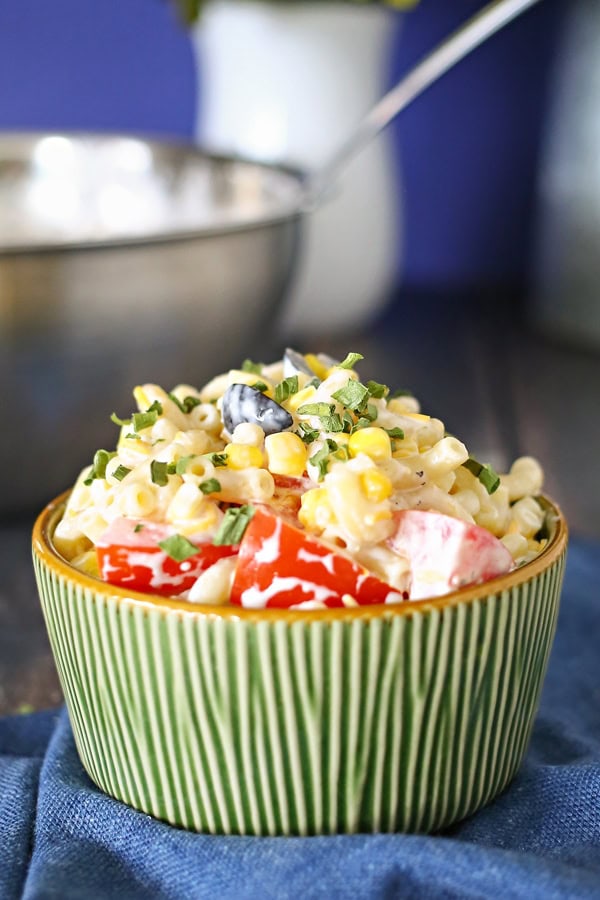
(287, 82)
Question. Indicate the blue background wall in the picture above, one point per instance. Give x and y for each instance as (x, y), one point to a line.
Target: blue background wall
(468, 150)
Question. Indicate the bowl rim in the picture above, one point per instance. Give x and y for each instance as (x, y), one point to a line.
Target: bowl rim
(43, 547)
(289, 211)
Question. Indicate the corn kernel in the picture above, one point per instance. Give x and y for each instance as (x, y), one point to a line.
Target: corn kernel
(372, 441)
(315, 511)
(286, 453)
(375, 485)
(421, 417)
(319, 368)
(243, 456)
(298, 399)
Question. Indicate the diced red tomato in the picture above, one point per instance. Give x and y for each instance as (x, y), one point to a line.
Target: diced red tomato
(288, 494)
(282, 566)
(132, 558)
(446, 553)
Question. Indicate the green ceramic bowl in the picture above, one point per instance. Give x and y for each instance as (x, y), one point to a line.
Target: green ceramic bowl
(234, 721)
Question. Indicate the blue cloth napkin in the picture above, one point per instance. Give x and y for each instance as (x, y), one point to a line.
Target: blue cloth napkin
(60, 837)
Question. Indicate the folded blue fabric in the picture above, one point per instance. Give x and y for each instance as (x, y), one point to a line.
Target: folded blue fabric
(60, 837)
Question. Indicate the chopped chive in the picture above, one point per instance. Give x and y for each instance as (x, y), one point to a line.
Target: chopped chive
(210, 486)
(353, 395)
(138, 527)
(320, 459)
(234, 524)
(306, 433)
(316, 409)
(249, 366)
(377, 390)
(187, 404)
(350, 361)
(286, 388)
(332, 423)
(395, 433)
(120, 472)
(260, 386)
(371, 412)
(218, 459)
(485, 473)
(99, 463)
(159, 472)
(115, 418)
(178, 547)
(182, 464)
(146, 419)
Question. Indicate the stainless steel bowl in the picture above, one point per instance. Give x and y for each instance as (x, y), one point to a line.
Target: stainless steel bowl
(123, 260)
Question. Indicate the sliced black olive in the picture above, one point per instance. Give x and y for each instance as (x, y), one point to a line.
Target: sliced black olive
(242, 403)
(294, 363)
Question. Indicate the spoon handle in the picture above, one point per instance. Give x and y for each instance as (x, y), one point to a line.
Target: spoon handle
(460, 43)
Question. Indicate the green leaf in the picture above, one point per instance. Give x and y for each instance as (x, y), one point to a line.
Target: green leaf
(350, 361)
(306, 433)
(210, 486)
(485, 473)
(321, 458)
(249, 366)
(332, 423)
(233, 525)
(187, 404)
(99, 463)
(218, 459)
(182, 464)
(316, 409)
(395, 433)
(120, 472)
(178, 547)
(286, 388)
(260, 386)
(377, 390)
(114, 418)
(159, 472)
(142, 420)
(353, 395)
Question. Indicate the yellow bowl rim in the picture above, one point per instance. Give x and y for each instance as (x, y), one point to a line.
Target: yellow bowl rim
(49, 556)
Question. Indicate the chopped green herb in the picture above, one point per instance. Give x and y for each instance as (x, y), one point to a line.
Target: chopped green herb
(286, 388)
(234, 524)
(218, 459)
(187, 404)
(146, 419)
(395, 433)
(132, 436)
(363, 422)
(159, 472)
(350, 361)
(178, 547)
(377, 390)
(315, 381)
(182, 464)
(101, 458)
(120, 472)
(316, 409)
(249, 366)
(371, 412)
(260, 386)
(320, 459)
(210, 486)
(332, 423)
(485, 473)
(115, 418)
(306, 433)
(348, 421)
(138, 527)
(353, 395)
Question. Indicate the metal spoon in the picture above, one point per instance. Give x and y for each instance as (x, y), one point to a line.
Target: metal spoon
(460, 43)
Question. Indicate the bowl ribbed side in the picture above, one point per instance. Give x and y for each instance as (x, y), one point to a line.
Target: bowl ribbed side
(224, 725)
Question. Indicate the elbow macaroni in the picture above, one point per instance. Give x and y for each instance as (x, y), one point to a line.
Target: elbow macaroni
(357, 465)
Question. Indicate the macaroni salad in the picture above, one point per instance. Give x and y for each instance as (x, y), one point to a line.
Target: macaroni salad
(295, 484)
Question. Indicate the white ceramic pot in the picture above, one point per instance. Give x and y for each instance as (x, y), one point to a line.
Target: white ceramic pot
(286, 82)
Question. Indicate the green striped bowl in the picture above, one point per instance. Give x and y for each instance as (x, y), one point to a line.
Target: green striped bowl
(232, 721)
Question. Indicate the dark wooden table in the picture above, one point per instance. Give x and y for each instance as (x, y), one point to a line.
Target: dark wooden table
(473, 362)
